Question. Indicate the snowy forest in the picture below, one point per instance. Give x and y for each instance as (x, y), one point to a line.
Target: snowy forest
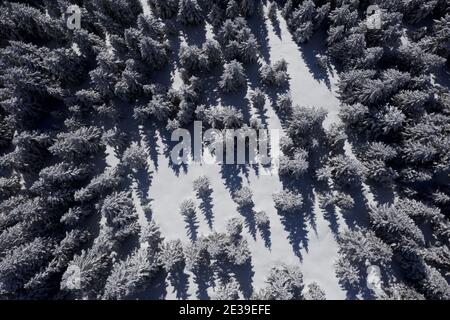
(92, 207)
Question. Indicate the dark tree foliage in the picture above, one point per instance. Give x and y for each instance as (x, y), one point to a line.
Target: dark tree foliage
(83, 113)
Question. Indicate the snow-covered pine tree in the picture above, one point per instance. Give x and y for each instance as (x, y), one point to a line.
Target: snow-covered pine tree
(189, 12)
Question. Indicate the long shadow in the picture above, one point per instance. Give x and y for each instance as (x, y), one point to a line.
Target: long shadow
(180, 282)
(168, 147)
(382, 194)
(295, 225)
(329, 214)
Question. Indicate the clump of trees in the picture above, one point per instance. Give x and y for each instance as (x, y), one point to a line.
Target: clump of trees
(288, 202)
(202, 186)
(233, 77)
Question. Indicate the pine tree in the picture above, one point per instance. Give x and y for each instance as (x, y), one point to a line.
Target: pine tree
(227, 291)
(347, 274)
(158, 108)
(223, 117)
(233, 77)
(295, 166)
(202, 186)
(211, 48)
(193, 59)
(262, 220)
(9, 186)
(284, 102)
(188, 209)
(346, 172)
(100, 185)
(87, 272)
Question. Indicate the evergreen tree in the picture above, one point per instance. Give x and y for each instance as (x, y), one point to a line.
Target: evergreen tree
(394, 226)
(129, 276)
(120, 214)
(165, 8)
(233, 77)
(283, 283)
(20, 264)
(154, 53)
(243, 197)
(81, 142)
(287, 202)
(314, 292)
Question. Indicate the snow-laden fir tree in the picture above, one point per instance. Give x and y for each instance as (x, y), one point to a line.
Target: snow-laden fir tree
(135, 156)
(82, 142)
(188, 209)
(172, 255)
(189, 12)
(284, 282)
(314, 292)
(295, 166)
(243, 197)
(233, 77)
(202, 186)
(129, 276)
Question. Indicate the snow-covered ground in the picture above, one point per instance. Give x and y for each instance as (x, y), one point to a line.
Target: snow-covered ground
(169, 188)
